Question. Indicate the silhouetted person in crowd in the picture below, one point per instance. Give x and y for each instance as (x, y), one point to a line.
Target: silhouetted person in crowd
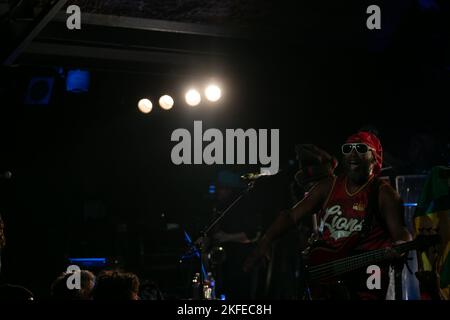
(116, 285)
(150, 291)
(60, 290)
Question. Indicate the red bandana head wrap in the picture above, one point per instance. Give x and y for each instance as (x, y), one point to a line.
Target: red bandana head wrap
(372, 141)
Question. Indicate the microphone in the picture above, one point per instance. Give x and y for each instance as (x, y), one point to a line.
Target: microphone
(254, 176)
(6, 175)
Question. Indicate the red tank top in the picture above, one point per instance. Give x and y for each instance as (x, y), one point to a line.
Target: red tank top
(344, 213)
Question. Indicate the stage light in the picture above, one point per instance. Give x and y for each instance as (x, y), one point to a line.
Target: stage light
(88, 262)
(78, 81)
(39, 90)
(213, 93)
(145, 105)
(166, 102)
(410, 204)
(193, 97)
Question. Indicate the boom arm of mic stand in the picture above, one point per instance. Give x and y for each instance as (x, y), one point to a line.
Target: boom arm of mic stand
(231, 206)
(200, 242)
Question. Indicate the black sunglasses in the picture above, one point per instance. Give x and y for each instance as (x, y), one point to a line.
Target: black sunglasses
(361, 148)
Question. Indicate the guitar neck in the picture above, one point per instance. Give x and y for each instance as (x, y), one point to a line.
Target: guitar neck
(341, 266)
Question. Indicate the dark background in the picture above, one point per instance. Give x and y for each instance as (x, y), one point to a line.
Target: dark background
(92, 176)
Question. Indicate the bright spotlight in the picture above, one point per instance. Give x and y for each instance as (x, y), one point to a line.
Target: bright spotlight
(166, 102)
(213, 93)
(145, 105)
(193, 97)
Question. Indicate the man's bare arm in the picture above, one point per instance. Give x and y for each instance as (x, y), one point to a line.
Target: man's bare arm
(314, 201)
(287, 220)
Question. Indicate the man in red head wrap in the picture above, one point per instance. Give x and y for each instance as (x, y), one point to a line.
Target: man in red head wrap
(364, 139)
(356, 212)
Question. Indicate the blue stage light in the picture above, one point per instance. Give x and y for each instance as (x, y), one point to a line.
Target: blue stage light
(88, 262)
(78, 81)
(410, 204)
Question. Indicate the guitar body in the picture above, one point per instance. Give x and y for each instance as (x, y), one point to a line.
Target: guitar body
(347, 286)
(341, 273)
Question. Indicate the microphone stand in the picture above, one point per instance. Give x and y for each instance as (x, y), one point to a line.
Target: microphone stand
(249, 187)
(198, 247)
